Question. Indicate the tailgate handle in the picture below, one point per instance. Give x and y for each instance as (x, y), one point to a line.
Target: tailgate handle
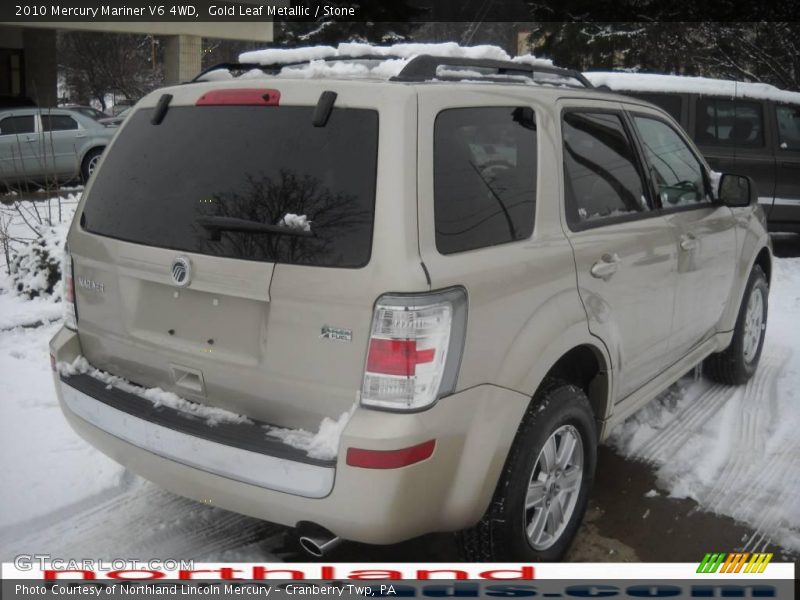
(188, 379)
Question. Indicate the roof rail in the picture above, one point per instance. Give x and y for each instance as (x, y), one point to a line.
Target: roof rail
(425, 67)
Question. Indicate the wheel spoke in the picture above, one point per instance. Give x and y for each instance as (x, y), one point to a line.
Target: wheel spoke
(567, 449)
(535, 495)
(571, 480)
(547, 458)
(555, 515)
(535, 528)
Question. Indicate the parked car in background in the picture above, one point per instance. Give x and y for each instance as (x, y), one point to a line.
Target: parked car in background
(89, 111)
(747, 128)
(49, 144)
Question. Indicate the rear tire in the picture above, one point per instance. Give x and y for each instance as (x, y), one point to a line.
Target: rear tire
(522, 522)
(736, 364)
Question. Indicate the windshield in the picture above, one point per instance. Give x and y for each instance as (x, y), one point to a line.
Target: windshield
(268, 165)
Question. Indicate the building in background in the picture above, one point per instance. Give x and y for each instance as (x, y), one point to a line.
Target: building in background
(28, 57)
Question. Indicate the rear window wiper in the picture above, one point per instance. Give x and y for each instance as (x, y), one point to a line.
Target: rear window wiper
(216, 225)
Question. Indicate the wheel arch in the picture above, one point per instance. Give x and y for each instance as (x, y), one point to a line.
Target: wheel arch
(761, 256)
(576, 357)
(91, 148)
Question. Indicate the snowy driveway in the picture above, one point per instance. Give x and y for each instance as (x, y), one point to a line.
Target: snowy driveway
(734, 452)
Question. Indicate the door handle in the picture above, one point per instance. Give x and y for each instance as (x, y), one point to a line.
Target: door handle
(30, 138)
(80, 135)
(605, 267)
(688, 242)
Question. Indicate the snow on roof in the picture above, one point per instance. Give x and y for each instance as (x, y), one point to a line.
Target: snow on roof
(647, 82)
(401, 54)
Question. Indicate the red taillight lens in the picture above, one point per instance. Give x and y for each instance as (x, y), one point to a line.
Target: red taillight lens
(69, 288)
(70, 310)
(389, 459)
(245, 97)
(414, 349)
(396, 357)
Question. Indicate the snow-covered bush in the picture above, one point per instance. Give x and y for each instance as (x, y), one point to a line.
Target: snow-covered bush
(36, 264)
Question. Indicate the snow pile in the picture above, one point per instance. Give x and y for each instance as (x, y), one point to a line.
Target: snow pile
(30, 294)
(294, 221)
(159, 397)
(397, 56)
(735, 450)
(647, 82)
(45, 465)
(36, 264)
(324, 444)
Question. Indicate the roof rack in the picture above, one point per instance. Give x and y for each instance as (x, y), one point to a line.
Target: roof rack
(425, 67)
(275, 68)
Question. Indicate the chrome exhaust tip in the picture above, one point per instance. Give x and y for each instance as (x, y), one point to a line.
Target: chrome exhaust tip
(316, 540)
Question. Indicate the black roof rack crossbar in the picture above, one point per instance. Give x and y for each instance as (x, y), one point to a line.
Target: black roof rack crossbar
(425, 68)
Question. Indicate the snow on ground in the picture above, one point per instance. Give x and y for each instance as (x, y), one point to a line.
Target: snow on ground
(735, 451)
(48, 465)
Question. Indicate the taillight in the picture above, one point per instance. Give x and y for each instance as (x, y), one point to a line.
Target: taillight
(70, 312)
(415, 349)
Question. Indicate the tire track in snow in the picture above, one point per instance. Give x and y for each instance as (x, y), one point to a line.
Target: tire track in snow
(675, 433)
(751, 420)
(142, 521)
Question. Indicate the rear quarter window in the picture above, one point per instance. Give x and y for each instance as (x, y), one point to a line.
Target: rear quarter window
(485, 162)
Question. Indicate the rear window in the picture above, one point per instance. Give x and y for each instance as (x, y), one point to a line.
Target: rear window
(254, 163)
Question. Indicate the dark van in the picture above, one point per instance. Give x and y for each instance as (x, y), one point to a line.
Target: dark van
(747, 128)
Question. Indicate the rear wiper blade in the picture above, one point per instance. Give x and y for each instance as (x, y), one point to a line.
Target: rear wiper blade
(216, 225)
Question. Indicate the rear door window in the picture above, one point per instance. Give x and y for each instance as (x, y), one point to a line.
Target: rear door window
(601, 172)
(484, 169)
(161, 184)
(17, 125)
(723, 122)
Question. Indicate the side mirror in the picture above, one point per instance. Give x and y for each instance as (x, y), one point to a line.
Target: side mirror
(737, 190)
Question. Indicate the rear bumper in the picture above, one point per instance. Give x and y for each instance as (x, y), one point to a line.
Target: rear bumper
(448, 491)
(242, 452)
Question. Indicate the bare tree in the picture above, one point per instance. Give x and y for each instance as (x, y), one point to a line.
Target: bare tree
(96, 64)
